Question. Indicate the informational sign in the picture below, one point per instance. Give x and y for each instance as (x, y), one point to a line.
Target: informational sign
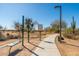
(40, 27)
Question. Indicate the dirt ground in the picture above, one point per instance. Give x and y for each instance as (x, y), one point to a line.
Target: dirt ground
(70, 47)
(19, 50)
(7, 41)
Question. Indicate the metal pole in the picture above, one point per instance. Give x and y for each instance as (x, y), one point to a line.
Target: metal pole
(60, 20)
(73, 24)
(23, 37)
(22, 30)
(40, 35)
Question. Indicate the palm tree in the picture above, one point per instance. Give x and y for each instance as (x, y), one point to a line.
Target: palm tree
(73, 25)
(29, 26)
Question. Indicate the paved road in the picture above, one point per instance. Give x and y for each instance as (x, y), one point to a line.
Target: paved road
(50, 48)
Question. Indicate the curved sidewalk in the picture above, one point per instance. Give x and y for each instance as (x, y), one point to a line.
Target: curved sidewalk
(50, 48)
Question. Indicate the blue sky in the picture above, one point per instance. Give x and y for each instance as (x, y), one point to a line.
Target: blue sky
(43, 13)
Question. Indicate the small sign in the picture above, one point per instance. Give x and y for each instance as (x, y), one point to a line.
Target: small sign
(40, 27)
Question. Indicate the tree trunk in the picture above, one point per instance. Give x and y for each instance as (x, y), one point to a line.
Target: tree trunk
(28, 36)
(73, 31)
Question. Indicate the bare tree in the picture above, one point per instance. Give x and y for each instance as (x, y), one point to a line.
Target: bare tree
(56, 25)
(17, 26)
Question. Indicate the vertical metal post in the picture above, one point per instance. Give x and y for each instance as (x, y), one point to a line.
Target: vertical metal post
(40, 35)
(28, 33)
(60, 7)
(22, 30)
(73, 26)
(60, 20)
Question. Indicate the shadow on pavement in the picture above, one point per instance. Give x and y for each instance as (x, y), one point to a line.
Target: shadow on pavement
(36, 45)
(48, 42)
(31, 51)
(19, 50)
(15, 52)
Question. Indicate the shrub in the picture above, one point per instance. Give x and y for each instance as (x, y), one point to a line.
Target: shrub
(2, 37)
(70, 36)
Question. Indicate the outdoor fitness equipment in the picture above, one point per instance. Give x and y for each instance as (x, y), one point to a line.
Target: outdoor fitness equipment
(23, 37)
(10, 45)
(18, 40)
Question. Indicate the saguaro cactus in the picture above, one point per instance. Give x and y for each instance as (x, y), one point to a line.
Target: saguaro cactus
(73, 25)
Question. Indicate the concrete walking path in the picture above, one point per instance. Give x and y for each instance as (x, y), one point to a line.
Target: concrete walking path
(50, 48)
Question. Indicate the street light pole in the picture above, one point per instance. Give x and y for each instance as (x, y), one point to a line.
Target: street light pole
(60, 17)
